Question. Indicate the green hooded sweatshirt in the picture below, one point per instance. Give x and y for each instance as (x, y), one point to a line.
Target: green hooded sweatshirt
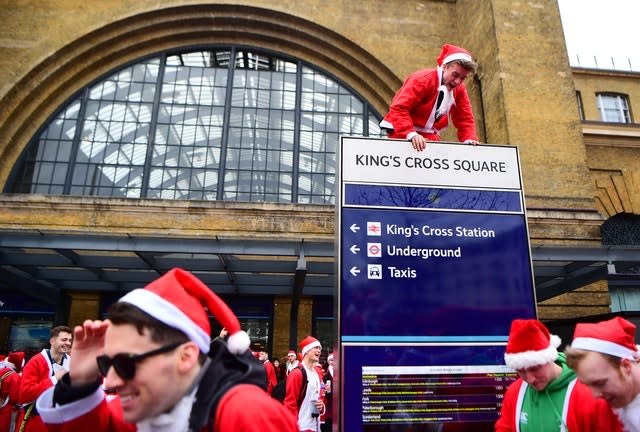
(542, 410)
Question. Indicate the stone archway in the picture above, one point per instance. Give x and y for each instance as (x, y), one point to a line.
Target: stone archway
(32, 100)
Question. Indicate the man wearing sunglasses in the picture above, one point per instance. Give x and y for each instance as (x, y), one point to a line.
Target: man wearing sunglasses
(155, 353)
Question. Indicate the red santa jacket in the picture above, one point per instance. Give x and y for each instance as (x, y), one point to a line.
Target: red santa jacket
(8, 396)
(413, 109)
(294, 388)
(230, 397)
(95, 414)
(271, 375)
(37, 376)
(581, 413)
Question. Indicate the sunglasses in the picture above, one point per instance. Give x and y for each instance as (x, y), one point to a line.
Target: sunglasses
(125, 363)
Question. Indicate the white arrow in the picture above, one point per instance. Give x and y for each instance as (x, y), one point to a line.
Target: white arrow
(354, 271)
(354, 249)
(354, 228)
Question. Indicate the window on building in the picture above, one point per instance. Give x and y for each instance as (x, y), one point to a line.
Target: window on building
(623, 229)
(580, 106)
(227, 123)
(613, 107)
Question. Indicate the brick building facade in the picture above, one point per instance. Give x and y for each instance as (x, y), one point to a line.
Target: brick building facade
(575, 175)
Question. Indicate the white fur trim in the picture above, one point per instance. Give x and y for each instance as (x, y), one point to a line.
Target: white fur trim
(456, 56)
(447, 100)
(565, 405)
(529, 359)
(310, 346)
(519, 401)
(239, 342)
(169, 314)
(603, 346)
(385, 124)
(65, 413)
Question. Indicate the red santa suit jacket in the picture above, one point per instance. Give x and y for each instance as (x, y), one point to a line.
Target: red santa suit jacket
(8, 396)
(581, 412)
(413, 109)
(272, 380)
(95, 414)
(37, 376)
(294, 388)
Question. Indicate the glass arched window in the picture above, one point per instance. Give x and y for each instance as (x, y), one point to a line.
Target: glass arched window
(220, 124)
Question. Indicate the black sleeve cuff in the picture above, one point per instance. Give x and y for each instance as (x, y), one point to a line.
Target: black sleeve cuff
(65, 392)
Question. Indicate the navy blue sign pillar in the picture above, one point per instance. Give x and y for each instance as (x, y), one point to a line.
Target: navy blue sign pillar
(433, 265)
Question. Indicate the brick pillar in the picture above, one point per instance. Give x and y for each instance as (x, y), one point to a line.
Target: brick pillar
(84, 305)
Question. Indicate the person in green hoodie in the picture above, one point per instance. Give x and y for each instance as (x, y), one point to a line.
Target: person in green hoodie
(547, 396)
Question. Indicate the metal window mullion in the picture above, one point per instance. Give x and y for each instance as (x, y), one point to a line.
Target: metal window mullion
(270, 112)
(619, 108)
(77, 137)
(226, 116)
(365, 122)
(153, 124)
(297, 119)
(254, 150)
(265, 178)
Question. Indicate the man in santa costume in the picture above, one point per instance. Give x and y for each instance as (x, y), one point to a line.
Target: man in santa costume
(42, 372)
(292, 361)
(307, 404)
(429, 98)
(157, 356)
(605, 358)
(547, 396)
(10, 390)
(272, 380)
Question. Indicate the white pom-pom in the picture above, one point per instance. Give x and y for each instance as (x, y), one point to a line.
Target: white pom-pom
(238, 342)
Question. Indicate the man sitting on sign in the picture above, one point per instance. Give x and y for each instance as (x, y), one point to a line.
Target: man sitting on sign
(420, 110)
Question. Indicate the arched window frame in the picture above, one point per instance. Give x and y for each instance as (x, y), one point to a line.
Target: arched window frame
(63, 163)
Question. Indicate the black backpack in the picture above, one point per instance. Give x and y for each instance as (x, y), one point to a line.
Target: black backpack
(280, 389)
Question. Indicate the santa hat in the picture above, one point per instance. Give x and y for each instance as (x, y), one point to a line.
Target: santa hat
(450, 53)
(15, 360)
(530, 344)
(615, 337)
(308, 343)
(292, 352)
(179, 299)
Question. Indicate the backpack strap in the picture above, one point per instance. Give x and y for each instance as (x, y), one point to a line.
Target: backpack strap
(303, 389)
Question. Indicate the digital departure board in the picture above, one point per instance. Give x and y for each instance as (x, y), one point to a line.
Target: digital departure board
(423, 387)
(432, 394)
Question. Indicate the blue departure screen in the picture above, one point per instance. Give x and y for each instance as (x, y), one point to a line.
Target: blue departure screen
(424, 388)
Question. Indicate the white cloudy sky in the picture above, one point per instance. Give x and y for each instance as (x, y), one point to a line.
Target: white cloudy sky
(608, 30)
